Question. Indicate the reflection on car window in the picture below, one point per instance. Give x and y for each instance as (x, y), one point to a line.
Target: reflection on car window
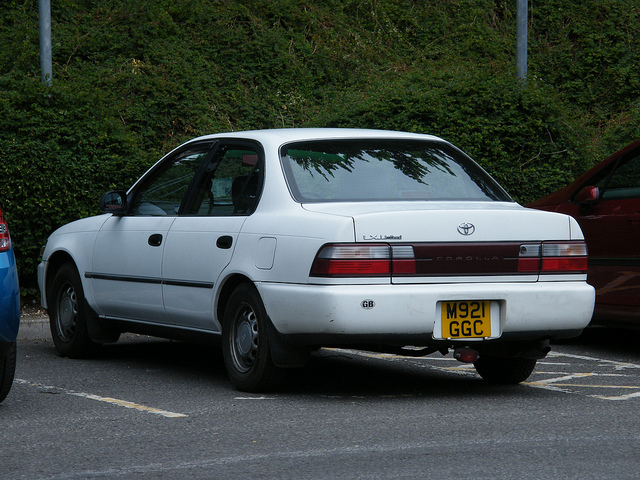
(231, 184)
(164, 194)
(625, 181)
(384, 170)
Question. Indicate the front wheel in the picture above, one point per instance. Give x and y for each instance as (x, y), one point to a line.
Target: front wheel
(67, 315)
(7, 371)
(245, 343)
(505, 371)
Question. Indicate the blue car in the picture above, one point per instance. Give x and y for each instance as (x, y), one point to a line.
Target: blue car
(9, 310)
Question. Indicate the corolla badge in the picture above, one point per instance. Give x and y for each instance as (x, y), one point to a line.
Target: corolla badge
(466, 228)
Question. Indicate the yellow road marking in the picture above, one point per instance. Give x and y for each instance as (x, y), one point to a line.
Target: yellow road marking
(554, 381)
(126, 404)
(113, 401)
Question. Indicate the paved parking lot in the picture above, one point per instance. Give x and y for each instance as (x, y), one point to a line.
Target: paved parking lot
(150, 408)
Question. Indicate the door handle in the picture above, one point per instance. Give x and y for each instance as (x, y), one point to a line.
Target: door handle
(224, 242)
(155, 240)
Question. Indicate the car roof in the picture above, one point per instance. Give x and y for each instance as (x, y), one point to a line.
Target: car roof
(285, 135)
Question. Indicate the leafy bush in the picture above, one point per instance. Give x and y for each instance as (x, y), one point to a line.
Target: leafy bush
(59, 153)
(521, 134)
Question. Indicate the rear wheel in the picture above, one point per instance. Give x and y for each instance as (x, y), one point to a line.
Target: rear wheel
(506, 371)
(67, 315)
(7, 371)
(245, 342)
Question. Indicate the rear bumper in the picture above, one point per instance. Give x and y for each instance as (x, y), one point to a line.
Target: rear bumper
(410, 314)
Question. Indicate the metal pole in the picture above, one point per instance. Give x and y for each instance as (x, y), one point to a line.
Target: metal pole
(44, 8)
(521, 42)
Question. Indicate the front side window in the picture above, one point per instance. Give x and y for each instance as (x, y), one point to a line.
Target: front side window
(384, 170)
(625, 181)
(166, 189)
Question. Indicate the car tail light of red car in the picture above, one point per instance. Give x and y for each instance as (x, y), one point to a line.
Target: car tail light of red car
(5, 239)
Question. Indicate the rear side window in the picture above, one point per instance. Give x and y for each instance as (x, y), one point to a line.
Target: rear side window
(231, 183)
(384, 170)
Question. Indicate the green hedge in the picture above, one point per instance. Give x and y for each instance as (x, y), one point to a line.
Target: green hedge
(59, 152)
(134, 78)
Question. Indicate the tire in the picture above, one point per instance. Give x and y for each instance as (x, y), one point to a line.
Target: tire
(245, 343)
(505, 371)
(67, 316)
(7, 371)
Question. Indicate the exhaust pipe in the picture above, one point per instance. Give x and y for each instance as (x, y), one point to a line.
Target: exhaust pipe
(466, 354)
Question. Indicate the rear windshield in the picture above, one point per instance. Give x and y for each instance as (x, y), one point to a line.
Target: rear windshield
(384, 170)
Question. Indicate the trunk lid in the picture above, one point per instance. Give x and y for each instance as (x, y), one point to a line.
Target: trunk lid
(448, 222)
(456, 239)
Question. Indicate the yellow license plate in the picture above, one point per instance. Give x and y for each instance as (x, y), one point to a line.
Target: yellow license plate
(466, 319)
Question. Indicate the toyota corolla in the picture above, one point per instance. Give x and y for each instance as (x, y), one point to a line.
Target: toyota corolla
(280, 242)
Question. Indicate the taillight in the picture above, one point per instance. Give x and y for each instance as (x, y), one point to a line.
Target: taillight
(564, 257)
(529, 258)
(371, 260)
(352, 261)
(5, 239)
(553, 257)
(403, 259)
(384, 260)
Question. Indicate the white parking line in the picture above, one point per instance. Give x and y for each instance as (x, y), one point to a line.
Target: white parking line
(113, 401)
(612, 363)
(254, 398)
(619, 397)
(559, 383)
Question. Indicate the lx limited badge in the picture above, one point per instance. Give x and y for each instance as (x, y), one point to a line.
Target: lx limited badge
(382, 237)
(466, 228)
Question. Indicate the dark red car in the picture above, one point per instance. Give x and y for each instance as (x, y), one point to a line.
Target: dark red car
(606, 203)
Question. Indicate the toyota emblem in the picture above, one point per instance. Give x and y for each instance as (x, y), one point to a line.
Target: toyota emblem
(466, 228)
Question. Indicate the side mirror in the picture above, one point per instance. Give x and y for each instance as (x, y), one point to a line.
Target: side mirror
(587, 196)
(114, 202)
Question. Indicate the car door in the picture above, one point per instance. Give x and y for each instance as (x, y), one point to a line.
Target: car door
(201, 242)
(127, 260)
(612, 230)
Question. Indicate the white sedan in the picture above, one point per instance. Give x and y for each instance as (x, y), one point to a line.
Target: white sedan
(280, 242)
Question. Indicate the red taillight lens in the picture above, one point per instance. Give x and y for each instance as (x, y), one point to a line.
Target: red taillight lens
(349, 268)
(560, 265)
(5, 239)
(404, 260)
(529, 265)
(405, 267)
(352, 260)
(553, 257)
(529, 258)
(355, 260)
(564, 257)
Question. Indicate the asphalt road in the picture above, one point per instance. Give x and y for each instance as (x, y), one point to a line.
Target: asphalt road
(148, 408)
